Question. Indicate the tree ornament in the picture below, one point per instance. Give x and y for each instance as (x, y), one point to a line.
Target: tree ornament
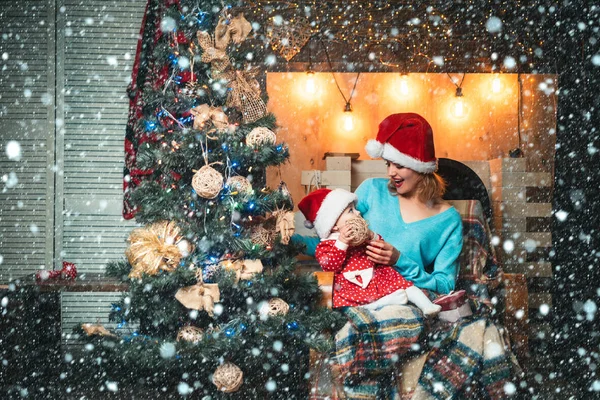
(153, 248)
(244, 94)
(68, 272)
(260, 136)
(239, 184)
(190, 333)
(359, 232)
(235, 29)
(285, 192)
(201, 296)
(285, 225)
(204, 113)
(96, 330)
(207, 182)
(244, 269)
(289, 36)
(228, 377)
(275, 306)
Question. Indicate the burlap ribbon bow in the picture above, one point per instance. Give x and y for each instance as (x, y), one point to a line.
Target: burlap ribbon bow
(244, 89)
(244, 269)
(244, 94)
(201, 296)
(204, 112)
(96, 330)
(236, 29)
(154, 248)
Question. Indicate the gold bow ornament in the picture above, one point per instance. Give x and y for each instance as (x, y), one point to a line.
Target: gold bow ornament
(204, 113)
(244, 269)
(201, 296)
(155, 247)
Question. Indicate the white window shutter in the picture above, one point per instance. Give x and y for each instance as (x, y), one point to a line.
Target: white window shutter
(27, 99)
(97, 43)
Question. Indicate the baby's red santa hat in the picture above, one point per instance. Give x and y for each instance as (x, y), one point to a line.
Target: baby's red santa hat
(323, 207)
(405, 139)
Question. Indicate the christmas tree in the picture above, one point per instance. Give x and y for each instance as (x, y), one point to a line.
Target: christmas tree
(211, 272)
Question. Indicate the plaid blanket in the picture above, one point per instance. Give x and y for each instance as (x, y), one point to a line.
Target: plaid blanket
(469, 356)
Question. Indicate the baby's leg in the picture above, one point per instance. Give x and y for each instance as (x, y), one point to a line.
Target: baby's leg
(395, 298)
(420, 299)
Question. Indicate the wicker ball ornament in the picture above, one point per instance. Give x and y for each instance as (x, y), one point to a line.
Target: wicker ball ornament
(359, 232)
(190, 334)
(275, 306)
(228, 377)
(239, 184)
(207, 182)
(260, 136)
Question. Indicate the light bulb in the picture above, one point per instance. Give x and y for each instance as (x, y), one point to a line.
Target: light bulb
(496, 84)
(404, 85)
(310, 85)
(459, 108)
(348, 121)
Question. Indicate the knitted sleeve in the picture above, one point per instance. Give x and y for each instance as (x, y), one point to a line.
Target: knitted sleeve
(445, 267)
(329, 256)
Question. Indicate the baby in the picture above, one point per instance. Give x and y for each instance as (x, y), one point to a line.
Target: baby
(357, 280)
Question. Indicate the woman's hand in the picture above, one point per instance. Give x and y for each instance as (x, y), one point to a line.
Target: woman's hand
(381, 252)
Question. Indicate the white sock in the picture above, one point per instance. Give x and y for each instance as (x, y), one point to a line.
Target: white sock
(394, 298)
(420, 299)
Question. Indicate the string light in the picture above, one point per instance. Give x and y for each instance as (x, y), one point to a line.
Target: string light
(458, 109)
(404, 90)
(310, 86)
(348, 118)
(496, 84)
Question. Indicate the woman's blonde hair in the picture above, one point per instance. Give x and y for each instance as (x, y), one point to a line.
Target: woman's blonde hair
(431, 188)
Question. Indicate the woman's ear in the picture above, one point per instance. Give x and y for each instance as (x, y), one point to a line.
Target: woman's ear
(335, 229)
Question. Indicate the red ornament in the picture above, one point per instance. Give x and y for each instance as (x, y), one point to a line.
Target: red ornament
(68, 272)
(181, 39)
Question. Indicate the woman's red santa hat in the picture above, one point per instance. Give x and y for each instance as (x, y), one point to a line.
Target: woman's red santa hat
(323, 207)
(405, 139)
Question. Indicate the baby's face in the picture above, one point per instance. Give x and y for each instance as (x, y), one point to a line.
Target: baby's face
(349, 213)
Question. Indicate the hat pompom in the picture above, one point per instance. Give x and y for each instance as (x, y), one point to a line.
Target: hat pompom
(308, 224)
(374, 148)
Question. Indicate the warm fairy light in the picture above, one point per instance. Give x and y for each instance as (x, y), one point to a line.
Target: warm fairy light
(496, 84)
(348, 118)
(310, 86)
(459, 108)
(348, 121)
(404, 84)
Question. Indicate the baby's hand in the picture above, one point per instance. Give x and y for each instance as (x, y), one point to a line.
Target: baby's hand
(346, 234)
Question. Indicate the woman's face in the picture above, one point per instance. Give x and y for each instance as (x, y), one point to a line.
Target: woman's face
(405, 180)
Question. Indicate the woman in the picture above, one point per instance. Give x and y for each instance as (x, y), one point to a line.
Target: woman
(423, 233)
(423, 240)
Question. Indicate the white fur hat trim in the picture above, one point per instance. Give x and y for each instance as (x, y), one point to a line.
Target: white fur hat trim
(332, 207)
